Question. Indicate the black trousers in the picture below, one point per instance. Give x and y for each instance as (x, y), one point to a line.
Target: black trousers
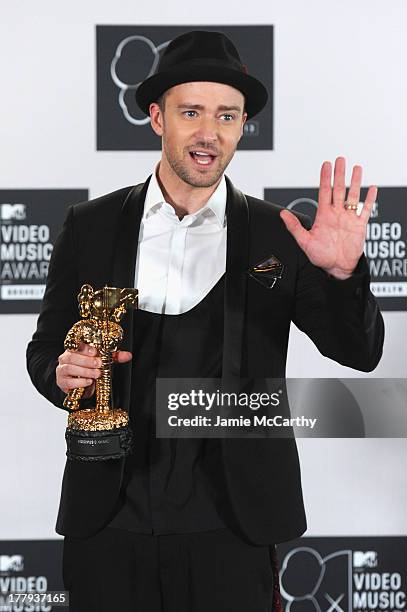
(212, 570)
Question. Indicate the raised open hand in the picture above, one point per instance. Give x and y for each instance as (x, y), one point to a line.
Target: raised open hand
(336, 240)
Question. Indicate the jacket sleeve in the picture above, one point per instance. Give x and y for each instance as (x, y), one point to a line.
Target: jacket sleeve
(341, 317)
(59, 311)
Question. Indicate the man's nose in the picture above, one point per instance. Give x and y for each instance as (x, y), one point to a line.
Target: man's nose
(207, 130)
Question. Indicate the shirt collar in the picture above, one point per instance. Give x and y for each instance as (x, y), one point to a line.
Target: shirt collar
(216, 203)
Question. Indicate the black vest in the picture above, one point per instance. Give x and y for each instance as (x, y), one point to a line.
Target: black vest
(169, 484)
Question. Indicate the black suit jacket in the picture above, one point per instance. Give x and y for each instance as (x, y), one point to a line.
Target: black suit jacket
(262, 482)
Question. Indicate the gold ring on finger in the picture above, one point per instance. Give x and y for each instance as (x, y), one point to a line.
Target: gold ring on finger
(350, 206)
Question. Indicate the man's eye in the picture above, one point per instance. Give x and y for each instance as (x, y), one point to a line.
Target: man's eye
(190, 113)
(228, 117)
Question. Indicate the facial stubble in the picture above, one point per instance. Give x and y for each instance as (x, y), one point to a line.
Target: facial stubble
(179, 166)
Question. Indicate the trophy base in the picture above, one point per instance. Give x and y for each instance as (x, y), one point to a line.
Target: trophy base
(97, 435)
(96, 419)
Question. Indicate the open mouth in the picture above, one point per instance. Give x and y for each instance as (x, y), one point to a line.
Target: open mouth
(202, 158)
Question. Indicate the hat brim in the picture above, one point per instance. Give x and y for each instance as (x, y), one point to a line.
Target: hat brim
(152, 88)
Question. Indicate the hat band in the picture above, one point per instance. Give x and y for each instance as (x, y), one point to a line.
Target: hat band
(210, 61)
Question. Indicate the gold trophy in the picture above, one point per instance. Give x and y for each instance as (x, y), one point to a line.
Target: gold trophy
(102, 432)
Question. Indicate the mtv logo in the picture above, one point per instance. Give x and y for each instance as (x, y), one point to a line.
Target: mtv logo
(11, 563)
(364, 559)
(13, 211)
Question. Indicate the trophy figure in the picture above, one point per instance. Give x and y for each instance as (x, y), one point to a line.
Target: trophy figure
(102, 432)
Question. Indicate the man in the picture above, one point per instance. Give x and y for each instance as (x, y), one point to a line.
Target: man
(192, 524)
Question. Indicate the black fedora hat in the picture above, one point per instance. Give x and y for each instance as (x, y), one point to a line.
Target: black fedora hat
(200, 55)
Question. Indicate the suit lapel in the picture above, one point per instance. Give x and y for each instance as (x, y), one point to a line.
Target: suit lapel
(124, 263)
(237, 257)
(126, 240)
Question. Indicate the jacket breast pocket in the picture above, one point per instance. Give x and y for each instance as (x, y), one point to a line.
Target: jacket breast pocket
(268, 271)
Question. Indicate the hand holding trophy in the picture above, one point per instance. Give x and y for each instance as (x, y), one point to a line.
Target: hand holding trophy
(103, 432)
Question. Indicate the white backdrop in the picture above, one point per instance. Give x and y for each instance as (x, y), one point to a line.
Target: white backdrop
(340, 88)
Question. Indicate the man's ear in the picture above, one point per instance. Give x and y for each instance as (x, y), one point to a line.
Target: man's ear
(156, 118)
(244, 118)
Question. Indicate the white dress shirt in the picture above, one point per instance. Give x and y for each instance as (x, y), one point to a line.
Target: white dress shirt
(179, 261)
